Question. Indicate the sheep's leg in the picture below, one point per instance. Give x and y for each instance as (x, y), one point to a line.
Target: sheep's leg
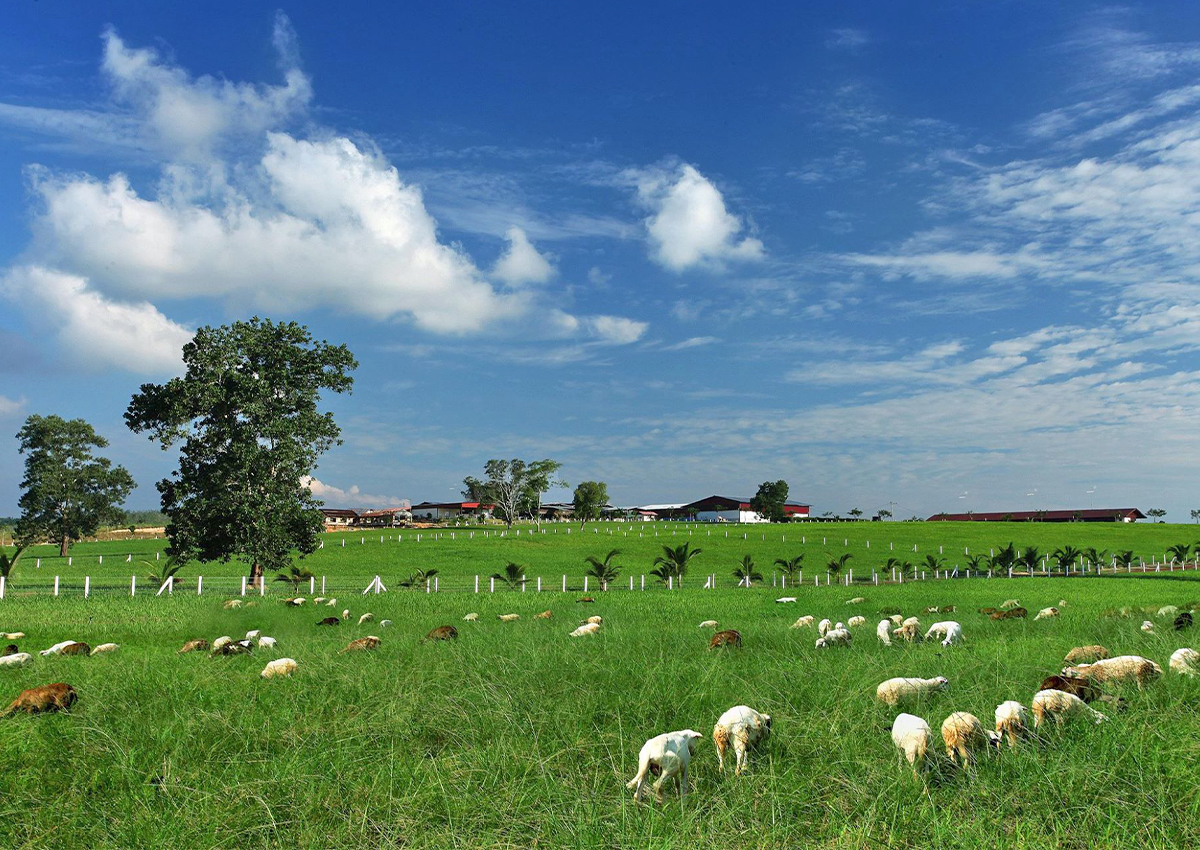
(739, 749)
(638, 783)
(682, 779)
(721, 741)
(658, 783)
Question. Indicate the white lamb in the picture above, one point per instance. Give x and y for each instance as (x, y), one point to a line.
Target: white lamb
(472, 617)
(17, 659)
(13, 635)
(508, 618)
(896, 619)
(253, 634)
(1185, 662)
(671, 752)
(786, 599)
(855, 601)
(1147, 626)
(345, 613)
(1046, 613)
(857, 621)
(948, 630)
(824, 626)
(331, 603)
(709, 624)
(279, 667)
(1060, 706)
(964, 736)
(912, 737)
(265, 642)
(586, 629)
(1012, 721)
(220, 642)
(893, 691)
(366, 618)
(742, 726)
(803, 622)
(58, 647)
(1170, 611)
(835, 637)
(884, 632)
(105, 648)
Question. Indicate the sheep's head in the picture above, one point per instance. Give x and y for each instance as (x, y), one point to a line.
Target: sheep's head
(693, 738)
(942, 683)
(821, 644)
(767, 721)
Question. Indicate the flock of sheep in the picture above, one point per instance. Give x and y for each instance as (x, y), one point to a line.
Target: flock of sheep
(1062, 697)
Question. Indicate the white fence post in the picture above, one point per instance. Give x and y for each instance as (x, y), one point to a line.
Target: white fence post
(585, 583)
(312, 584)
(476, 584)
(199, 585)
(322, 585)
(243, 585)
(539, 584)
(670, 585)
(564, 584)
(133, 585)
(1, 587)
(87, 586)
(493, 587)
(56, 585)
(262, 585)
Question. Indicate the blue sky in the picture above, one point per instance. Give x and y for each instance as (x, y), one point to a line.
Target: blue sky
(941, 255)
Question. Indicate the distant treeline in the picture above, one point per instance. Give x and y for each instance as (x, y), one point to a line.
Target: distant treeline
(153, 519)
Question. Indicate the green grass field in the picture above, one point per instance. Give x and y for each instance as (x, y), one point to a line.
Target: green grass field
(518, 736)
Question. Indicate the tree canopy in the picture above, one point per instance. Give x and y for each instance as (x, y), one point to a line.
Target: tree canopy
(245, 415)
(514, 486)
(770, 499)
(590, 499)
(69, 491)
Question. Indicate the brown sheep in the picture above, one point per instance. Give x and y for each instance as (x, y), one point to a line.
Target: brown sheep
(329, 621)
(56, 697)
(233, 647)
(76, 648)
(987, 610)
(1087, 654)
(1083, 687)
(1017, 613)
(11, 649)
(545, 615)
(586, 599)
(442, 633)
(729, 637)
(195, 645)
(368, 642)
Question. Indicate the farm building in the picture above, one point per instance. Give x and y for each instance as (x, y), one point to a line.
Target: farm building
(1080, 515)
(385, 518)
(649, 513)
(734, 509)
(339, 517)
(450, 510)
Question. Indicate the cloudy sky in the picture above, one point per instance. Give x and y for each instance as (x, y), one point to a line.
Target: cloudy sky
(940, 255)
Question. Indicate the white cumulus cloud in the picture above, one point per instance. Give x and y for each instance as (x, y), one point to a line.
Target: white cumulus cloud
(351, 498)
(521, 263)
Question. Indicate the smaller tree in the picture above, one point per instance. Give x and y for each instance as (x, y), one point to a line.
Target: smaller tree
(1124, 560)
(9, 562)
(295, 576)
(836, 565)
(976, 562)
(1029, 558)
(674, 561)
(1096, 557)
(770, 499)
(418, 579)
(1180, 551)
(1196, 514)
(1064, 557)
(513, 575)
(746, 572)
(932, 562)
(158, 576)
(591, 497)
(790, 566)
(1156, 513)
(604, 569)
(884, 513)
(856, 512)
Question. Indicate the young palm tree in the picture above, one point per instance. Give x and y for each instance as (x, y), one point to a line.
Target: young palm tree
(836, 565)
(1004, 558)
(745, 572)
(1180, 551)
(1096, 557)
(604, 570)
(514, 575)
(1029, 558)
(7, 562)
(674, 561)
(932, 563)
(790, 566)
(976, 562)
(1124, 560)
(1065, 556)
(294, 576)
(418, 579)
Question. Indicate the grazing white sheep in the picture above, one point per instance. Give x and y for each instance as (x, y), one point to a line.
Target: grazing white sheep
(824, 626)
(835, 637)
(671, 752)
(17, 659)
(912, 737)
(595, 618)
(839, 625)
(345, 613)
(586, 629)
(385, 623)
(472, 617)
(893, 691)
(58, 647)
(508, 618)
(1046, 613)
(317, 600)
(964, 735)
(1011, 603)
(742, 726)
(896, 620)
(909, 630)
(1185, 662)
(1147, 626)
(366, 618)
(1012, 721)
(1062, 603)
(786, 599)
(1060, 706)
(709, 624)
(279, 667)
(331, 603)
(948, 630)
(884, 632)
(13, 635)
(232, 603)
(1169, 611)
(265, 642)
(253, 634)
(855, 601)
(105, 648)
(857, 621)
(1122, 668)
(220, 642)
(803, 622)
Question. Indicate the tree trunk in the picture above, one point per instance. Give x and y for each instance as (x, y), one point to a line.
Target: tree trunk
(63, 543)
(256, 575)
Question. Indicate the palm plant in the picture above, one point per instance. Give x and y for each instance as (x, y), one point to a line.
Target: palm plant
(1004, 558)
(1124, 559)
(1096, 557)
(1180, 551)
(674, 561)
(836, 565)
(513, 575)
(604, 569)
(1064, 556)
(8, 562)
(1029, 558)
(745, 572)
(976, 562)
(158, 577)
(932, 562)
(295, 576)
(418, 579)
(790, 566)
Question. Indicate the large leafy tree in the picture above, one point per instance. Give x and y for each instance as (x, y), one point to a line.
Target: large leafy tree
(590, 499)
(770, 499)
(69, 491)
(514, 486)
(246, 419)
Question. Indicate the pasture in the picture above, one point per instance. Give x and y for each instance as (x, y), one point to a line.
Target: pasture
(518, 736)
